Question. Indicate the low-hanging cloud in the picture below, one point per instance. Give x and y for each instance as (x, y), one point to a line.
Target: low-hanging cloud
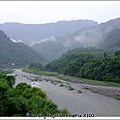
(52, 38)
(89, 38)
(16, 41)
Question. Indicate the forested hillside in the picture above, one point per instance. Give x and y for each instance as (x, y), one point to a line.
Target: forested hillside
(88, 63)
(112, 41)
(92, 36)
(53, 39)
(16, 54)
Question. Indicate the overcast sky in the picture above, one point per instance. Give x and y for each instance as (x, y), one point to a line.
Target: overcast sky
(39, 12)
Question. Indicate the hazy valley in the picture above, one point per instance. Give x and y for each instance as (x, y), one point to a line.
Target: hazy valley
(53, 39)
(77, 60)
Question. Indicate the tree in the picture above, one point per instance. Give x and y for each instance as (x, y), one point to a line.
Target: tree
(3, 97)
(10, 79)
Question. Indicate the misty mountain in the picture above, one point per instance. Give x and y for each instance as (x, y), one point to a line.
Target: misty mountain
(93, 36)
(16, 54)
(112, 41)
(32, 33)
(85, 37)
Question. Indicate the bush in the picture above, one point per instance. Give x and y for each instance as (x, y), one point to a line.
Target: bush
(62, 85)
(64, 112)
(79, 91)
(70, 88)
(117, 96)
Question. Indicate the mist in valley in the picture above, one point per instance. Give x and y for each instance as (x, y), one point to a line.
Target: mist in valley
(59, 58)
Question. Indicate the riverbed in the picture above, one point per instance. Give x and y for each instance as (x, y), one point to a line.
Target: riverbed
(85, 102)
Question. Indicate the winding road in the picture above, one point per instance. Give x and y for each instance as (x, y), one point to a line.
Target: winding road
(85, 102)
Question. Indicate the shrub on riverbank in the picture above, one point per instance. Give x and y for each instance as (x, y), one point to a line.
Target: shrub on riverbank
(79, 91)
(24, 99)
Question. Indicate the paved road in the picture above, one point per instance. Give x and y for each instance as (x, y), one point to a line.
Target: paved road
(85, 102)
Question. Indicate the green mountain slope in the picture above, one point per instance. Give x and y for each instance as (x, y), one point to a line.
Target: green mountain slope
(112, 41)
(86, 37)
(17, 54)
(88, 63)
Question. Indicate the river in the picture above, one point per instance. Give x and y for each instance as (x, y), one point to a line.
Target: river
(85, 102)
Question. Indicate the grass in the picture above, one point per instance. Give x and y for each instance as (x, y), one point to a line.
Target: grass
(44, 73)
(64, 78)
(70, 78)
(89, 81)
(6, 71)
(96, 82)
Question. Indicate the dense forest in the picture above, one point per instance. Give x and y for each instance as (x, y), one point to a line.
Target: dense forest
(24, 99)
(88, 63)
(14, 55)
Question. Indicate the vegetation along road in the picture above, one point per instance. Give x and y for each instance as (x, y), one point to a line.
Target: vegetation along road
(75, 97)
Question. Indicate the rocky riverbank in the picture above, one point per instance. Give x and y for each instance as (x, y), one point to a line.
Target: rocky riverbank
(77, 98)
